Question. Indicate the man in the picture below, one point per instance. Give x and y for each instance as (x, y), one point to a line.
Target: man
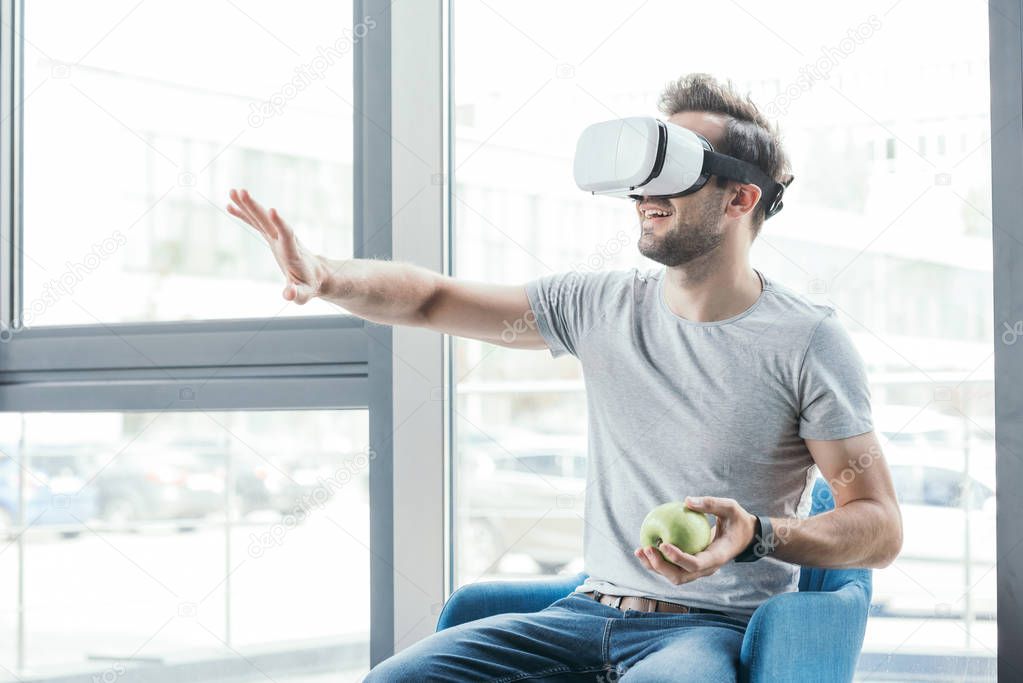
(704, 377)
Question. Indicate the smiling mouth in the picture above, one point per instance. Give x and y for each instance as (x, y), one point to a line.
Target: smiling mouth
(655, 212)
(655, 215)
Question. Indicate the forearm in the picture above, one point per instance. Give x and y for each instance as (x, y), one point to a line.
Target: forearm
(379, 291)
(861, 533)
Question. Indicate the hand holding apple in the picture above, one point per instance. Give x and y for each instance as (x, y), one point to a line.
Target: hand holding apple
(734, 531)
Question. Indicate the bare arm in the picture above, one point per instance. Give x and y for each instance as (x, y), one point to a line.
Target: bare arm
(394, 293)
(865, 528)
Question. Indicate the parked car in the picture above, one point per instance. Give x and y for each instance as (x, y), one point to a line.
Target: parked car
(524, 496)
(185, 481)
(155, 482)
(944, 478)
(54, 493)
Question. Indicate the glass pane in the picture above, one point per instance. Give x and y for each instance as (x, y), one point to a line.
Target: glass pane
(205, 540)
(887, 221)
(139, 117)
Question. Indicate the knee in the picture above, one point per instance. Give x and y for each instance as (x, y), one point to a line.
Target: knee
(703, 672)
(423, 661)
(401, 668)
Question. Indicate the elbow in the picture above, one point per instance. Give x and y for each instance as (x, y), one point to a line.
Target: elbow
(891, 544)
(430, 297)
(888, 554)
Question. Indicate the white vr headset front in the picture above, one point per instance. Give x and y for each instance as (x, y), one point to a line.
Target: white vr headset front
(642, 156)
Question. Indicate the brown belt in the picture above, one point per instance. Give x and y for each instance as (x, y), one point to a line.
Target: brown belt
(624, 602)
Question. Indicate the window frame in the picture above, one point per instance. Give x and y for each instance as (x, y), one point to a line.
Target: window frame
(1006, 59)
(332, 346)
(1006, 114)
(313, 362)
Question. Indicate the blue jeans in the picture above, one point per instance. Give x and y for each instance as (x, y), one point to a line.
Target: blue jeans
(575, 639)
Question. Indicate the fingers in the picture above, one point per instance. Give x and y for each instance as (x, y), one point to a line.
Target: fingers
(665, 568)
(284, 230)
(693, 567)
(279, 223)
(244, 217)
(674, 574)
(716, 554)
(675, 555)
(298, 293)
(270, 223)
(658, 564)
(641, 554)
(239, 209)
(234, 209)
(257, 210)
(719, 507)
(253, 213)
(286, 239)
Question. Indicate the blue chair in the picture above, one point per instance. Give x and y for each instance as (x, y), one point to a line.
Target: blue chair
(812, 635)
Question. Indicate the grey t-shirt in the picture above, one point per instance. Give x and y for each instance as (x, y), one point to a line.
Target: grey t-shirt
(681, 408)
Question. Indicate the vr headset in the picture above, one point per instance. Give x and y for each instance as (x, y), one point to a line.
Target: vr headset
(642, 156)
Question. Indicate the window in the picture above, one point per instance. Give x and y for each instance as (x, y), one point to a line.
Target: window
(138, 120)
(901, 247)
(937, 487)
(153, 537)
(184, 460)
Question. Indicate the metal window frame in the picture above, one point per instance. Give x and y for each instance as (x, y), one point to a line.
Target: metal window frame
(419, 206)
(338, 362)
(372, 177)
(1006, 60)
(1006, 79)
(66, 367)
(1006, 64)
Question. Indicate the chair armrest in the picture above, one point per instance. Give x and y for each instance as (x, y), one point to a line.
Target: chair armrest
(806, 636)
(487, 598)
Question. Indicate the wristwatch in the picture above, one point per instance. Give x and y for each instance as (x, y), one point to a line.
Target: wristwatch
(762, 544)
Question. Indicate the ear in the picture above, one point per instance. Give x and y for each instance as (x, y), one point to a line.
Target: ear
(744, 200)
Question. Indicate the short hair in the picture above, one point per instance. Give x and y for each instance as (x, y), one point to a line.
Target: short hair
(748, 134)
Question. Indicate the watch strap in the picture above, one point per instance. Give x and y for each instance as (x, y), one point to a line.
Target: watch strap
(762, 543)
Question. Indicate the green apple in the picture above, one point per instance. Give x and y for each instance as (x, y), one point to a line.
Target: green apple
(674, 523)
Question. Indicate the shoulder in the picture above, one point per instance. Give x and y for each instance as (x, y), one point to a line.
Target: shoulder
(595, 283)
(795, 314)
(821, 337)
(802, 328)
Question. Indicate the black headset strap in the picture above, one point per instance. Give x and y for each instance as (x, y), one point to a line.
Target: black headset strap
(725, 166)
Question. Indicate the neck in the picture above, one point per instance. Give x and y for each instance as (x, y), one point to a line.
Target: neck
(716, 286)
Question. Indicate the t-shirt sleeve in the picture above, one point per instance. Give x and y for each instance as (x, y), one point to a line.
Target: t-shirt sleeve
(567, 306)
(834, 393)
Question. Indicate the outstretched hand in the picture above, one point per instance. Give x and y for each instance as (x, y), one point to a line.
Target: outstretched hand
(732, 533)
(306, 272)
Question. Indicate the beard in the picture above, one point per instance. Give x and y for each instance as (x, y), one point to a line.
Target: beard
(690, 236)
